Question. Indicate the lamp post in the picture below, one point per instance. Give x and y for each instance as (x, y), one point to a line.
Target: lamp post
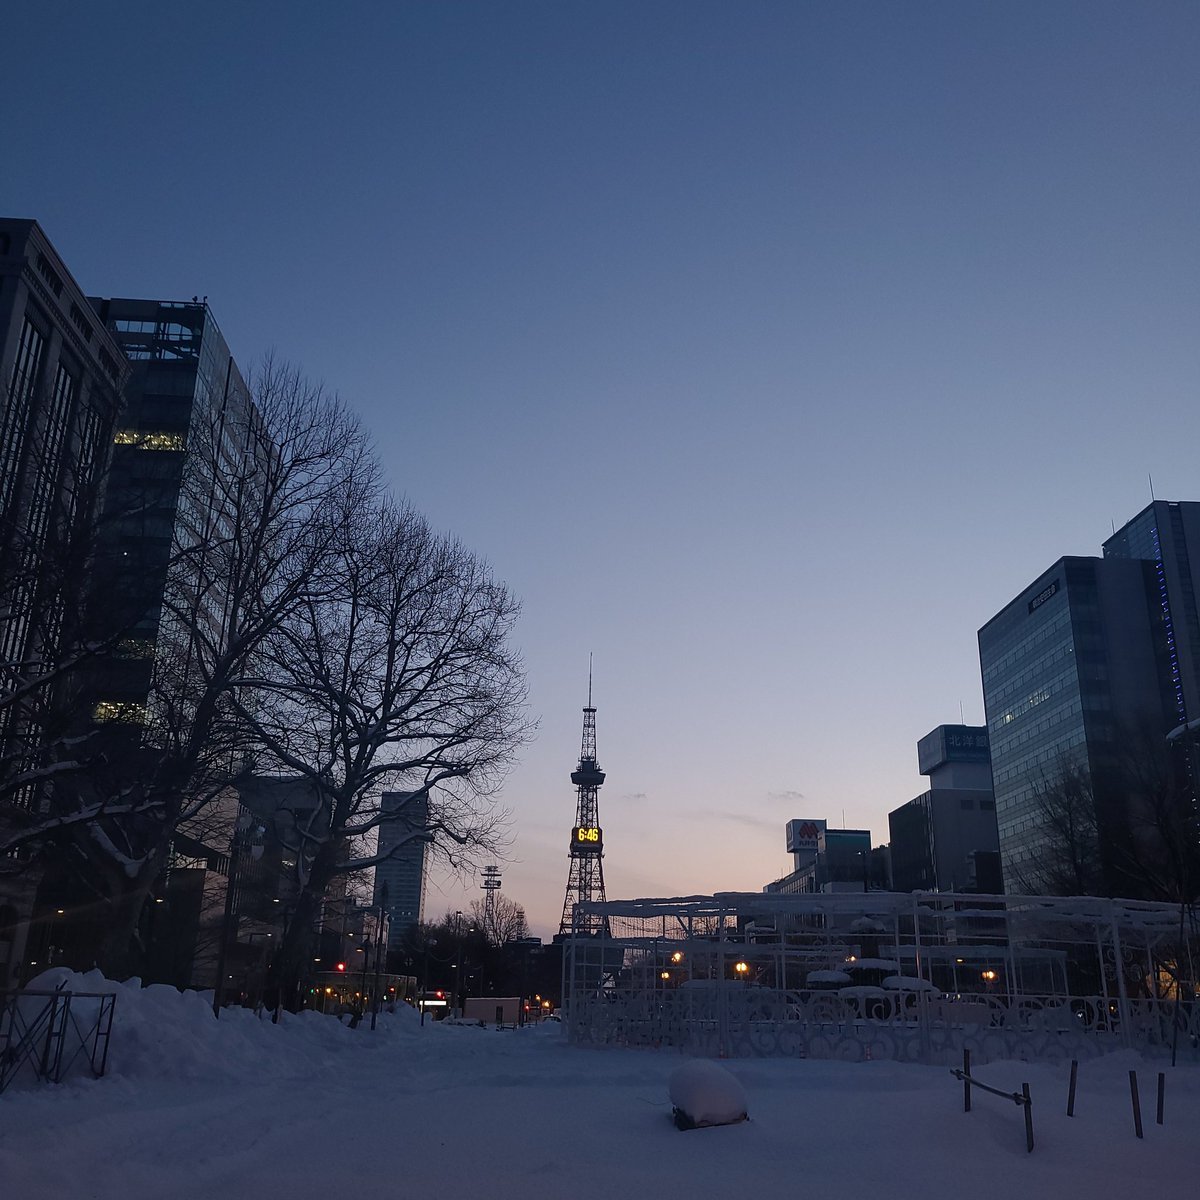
(457, 958)
(365, 951)
(288, 912)
(425, 978)
(379, 943)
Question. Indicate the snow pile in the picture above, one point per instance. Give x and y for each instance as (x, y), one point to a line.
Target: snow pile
(309, 1108)
(159, 1032)
(705, 1093)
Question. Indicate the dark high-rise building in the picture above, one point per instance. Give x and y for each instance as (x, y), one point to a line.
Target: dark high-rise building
(945, 839)
(1167, 535)
(60, 391)
(1073, 664)
(403, 870)
(188, 417)
(62, 377)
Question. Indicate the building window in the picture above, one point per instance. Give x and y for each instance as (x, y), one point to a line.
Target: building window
(49, 274)
(49, 457)
(81, 323)
(125, 712)
(153, 440)
(16, 414)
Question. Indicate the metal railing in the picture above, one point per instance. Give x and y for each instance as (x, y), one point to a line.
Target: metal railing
(46, 1035)
(916, 978)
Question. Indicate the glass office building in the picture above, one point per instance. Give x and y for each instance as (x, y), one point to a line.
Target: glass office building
(403, 870)
(1167, 535)
(1074, 659)
(185, 391)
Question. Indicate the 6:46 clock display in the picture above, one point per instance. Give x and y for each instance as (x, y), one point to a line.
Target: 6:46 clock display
(587, 837)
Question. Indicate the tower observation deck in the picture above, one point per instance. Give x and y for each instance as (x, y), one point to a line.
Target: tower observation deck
(585, 882)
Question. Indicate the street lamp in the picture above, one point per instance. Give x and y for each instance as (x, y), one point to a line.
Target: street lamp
(457, 960)
(742, 969)
(425, 978)
(379, 946)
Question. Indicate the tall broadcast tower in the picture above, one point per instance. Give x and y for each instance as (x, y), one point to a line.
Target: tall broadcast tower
(586, 880)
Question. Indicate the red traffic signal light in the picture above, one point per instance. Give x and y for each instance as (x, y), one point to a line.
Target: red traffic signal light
(341, 966)
(441, 995)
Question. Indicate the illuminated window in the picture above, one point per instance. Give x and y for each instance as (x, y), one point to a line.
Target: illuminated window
(126, 712)
(135, 647)
(150, 441)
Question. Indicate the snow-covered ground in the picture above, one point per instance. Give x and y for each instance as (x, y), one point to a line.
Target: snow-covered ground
(194, 1107)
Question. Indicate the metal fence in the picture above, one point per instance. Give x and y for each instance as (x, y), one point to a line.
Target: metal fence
(916, 977)
(47, 1035)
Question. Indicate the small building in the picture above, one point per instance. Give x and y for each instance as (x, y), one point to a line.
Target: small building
(829, 860)
(945, 840)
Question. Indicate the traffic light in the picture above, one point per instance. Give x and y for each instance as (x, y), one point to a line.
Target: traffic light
(341, 966)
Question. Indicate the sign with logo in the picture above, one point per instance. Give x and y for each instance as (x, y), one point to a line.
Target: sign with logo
(804, 836)
(1044, 595)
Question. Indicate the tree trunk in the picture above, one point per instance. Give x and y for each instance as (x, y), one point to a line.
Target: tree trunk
(121, 953)
(296, 954)
(122, 950)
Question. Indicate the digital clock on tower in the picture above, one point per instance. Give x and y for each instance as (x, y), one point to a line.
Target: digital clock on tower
(587, 837)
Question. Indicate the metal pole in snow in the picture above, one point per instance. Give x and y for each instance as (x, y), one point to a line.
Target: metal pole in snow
(1137, 1104)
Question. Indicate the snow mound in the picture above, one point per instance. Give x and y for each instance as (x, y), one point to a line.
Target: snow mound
(159, 1032)
(704, 1093)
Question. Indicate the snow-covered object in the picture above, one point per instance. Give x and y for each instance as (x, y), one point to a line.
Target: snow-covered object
(705, 1093)
(866, 925)
(827, 977)
(907, 983)
(862, 991)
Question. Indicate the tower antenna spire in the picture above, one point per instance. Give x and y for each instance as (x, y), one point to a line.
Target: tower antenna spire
(585, 881)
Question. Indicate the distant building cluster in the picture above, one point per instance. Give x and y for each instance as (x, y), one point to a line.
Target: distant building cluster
(101, 402)
(1084, 779)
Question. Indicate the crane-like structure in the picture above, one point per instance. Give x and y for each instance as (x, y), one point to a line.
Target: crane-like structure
(586, 879)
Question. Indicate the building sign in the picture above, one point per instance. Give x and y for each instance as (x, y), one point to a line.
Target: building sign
(1043, 596)
(804, 836)
(952, 743)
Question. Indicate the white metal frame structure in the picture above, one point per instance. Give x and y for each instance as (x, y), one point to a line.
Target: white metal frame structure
(913, 977)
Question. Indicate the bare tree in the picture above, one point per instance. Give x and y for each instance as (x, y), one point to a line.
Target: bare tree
(503, 924)
(1067, 859)
(1126, 827)
(263, 485)
(395, 674)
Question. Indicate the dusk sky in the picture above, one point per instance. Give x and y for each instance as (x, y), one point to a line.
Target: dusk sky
(766, 350)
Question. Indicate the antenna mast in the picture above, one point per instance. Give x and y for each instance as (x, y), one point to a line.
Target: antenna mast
(585, 881)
